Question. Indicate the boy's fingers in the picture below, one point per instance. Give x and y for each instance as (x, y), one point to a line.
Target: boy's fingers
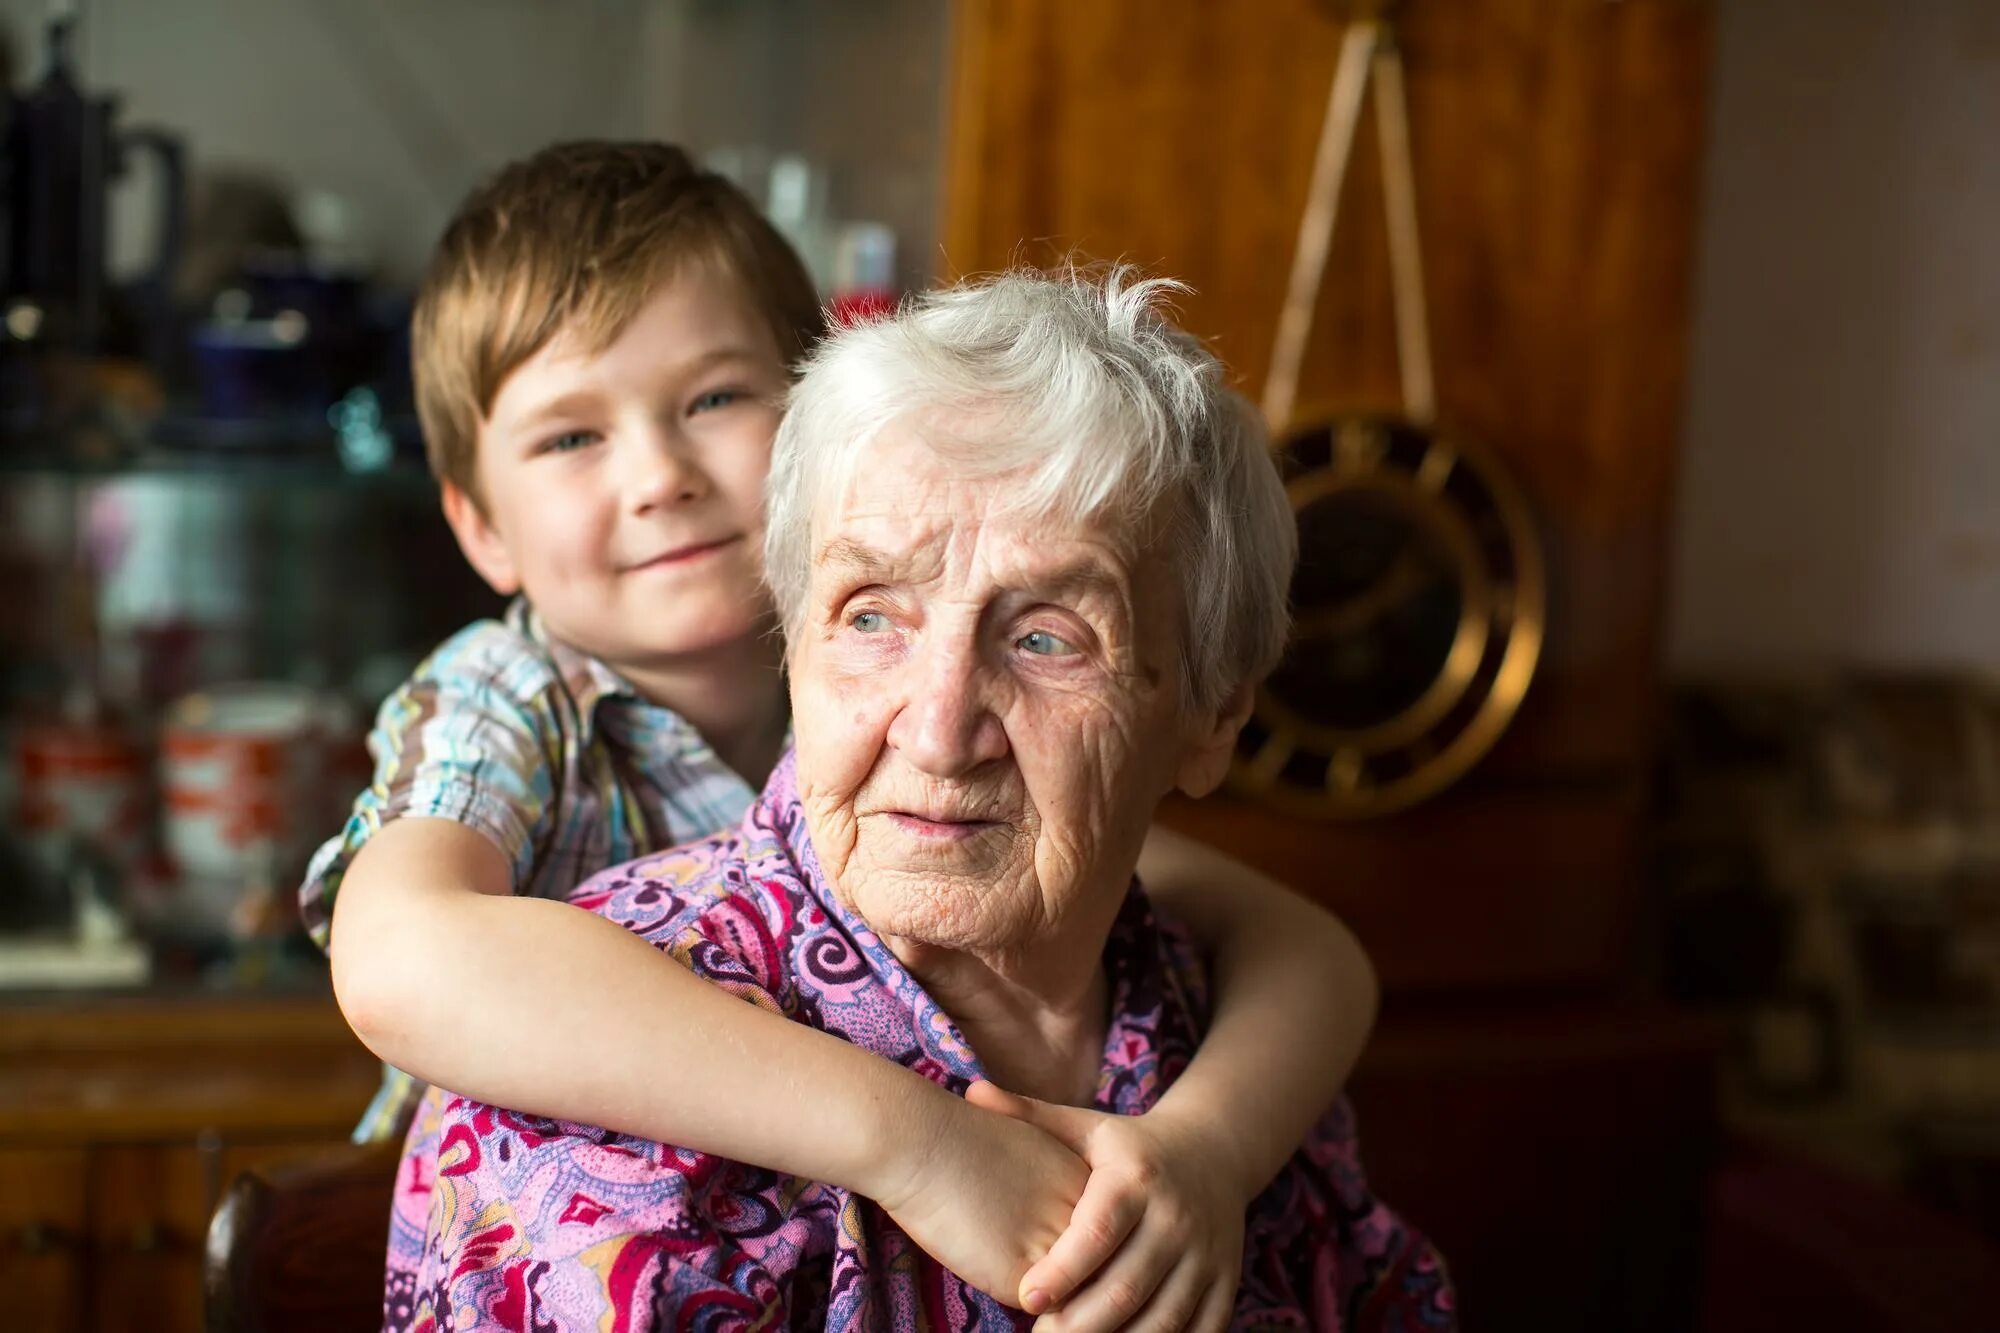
(1104, 1216)
(1115, 1294)
(992, 1097)
(1175, 1305)
(1067, 1125)
(1216, 1307)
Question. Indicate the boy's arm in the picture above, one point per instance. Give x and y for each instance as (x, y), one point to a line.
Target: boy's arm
(1159, 1228)
(549, 1009)
(1294, 998)
(541, 1007)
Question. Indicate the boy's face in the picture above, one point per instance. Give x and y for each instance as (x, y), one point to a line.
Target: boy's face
(624, 491)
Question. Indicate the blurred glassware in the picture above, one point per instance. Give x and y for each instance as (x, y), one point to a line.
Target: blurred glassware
(171, 554)
(81, 789)
(246, 777)
(335, 229)
(796, 202)
(252, 369)
(235, 216)
(863, 282)
(364, 442)
(93, 947)
(290, 338)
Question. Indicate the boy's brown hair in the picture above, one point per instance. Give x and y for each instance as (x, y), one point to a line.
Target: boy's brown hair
(578, 237)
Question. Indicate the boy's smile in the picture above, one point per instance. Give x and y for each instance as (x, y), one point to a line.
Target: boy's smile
(622, 490)
(684, 555)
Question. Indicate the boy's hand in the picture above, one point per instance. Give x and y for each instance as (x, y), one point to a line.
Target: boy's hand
(983, 1194)
(1156, 1242)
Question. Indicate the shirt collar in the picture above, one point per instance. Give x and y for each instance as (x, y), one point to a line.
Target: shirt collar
(587, 679)
(593, 685)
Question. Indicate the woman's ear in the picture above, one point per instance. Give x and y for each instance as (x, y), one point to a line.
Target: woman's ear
(1205, 760)
(479, 539)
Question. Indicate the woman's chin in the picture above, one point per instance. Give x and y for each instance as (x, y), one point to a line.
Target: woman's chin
(919, 907)
(907, 845)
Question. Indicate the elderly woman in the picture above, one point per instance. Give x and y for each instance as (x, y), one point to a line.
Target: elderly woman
(1031, 558)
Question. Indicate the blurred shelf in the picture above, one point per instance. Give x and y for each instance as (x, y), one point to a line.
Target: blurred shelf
(153, 1066)
(280, 453)
(48, 968)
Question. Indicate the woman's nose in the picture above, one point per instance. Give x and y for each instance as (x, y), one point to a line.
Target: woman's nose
(661, 470)
(948, 726)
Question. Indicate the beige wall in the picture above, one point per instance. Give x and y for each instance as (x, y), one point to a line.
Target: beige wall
(397, 106)
(400, 105)
(1840, 496)
(855, 85)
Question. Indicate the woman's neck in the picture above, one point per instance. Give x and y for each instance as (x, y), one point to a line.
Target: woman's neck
(734, 696)
(1034, 1033)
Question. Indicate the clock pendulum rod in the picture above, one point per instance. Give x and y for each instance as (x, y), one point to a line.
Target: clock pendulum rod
(1367, 47)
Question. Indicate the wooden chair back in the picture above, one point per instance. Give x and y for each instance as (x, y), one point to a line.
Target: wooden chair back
(300, 1247)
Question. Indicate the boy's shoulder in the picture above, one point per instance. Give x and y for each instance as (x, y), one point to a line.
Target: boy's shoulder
(511, 658)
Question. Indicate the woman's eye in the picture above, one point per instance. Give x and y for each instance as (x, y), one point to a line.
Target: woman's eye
(1044, 644)
(715, 398)
(568, 440)
(870, 622)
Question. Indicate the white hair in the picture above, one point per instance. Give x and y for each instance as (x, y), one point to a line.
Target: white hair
(1096, 407)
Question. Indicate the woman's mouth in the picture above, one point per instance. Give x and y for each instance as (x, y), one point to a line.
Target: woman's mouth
(936, 828)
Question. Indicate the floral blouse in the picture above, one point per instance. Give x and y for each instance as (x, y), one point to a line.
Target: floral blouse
(507, 1221)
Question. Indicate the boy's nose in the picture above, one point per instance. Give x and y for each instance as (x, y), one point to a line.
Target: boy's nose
(662, 472)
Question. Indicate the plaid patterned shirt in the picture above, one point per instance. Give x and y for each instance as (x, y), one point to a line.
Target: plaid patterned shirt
(545, 750)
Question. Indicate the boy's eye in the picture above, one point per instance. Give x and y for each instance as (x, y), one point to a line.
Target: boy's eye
(870, 622)
(715, 398)
(568, 440)
(1044, 644)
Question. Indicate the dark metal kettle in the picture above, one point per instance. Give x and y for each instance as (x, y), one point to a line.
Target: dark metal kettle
(62, 154)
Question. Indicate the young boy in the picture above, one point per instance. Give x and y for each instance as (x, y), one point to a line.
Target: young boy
(600, 346)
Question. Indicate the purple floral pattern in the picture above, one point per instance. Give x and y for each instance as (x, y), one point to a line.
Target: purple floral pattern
(507, 1221)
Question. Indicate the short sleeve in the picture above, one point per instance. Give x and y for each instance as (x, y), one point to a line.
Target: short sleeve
(470, 737)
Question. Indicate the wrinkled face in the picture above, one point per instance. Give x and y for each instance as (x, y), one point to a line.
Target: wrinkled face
(623, 490)
(987, 710)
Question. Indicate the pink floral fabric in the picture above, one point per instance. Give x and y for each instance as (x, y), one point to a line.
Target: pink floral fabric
(506, 1221)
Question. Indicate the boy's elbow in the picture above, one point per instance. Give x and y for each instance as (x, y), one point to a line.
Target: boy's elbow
(370, 975)
(1356, 971)
(1340, 955)
(356, 991)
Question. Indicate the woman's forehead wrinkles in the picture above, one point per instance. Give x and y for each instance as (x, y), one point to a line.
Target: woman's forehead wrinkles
(1090, 574)
(874, 558)
(993, 560)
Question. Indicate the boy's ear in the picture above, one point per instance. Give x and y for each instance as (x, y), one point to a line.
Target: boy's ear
(480, 541)
(1205, 760)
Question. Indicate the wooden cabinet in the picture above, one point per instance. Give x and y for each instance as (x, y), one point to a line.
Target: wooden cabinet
(42, 1235)
(120, 1124)
(148, 1208)
(1557, 149)
(1558, 1157)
